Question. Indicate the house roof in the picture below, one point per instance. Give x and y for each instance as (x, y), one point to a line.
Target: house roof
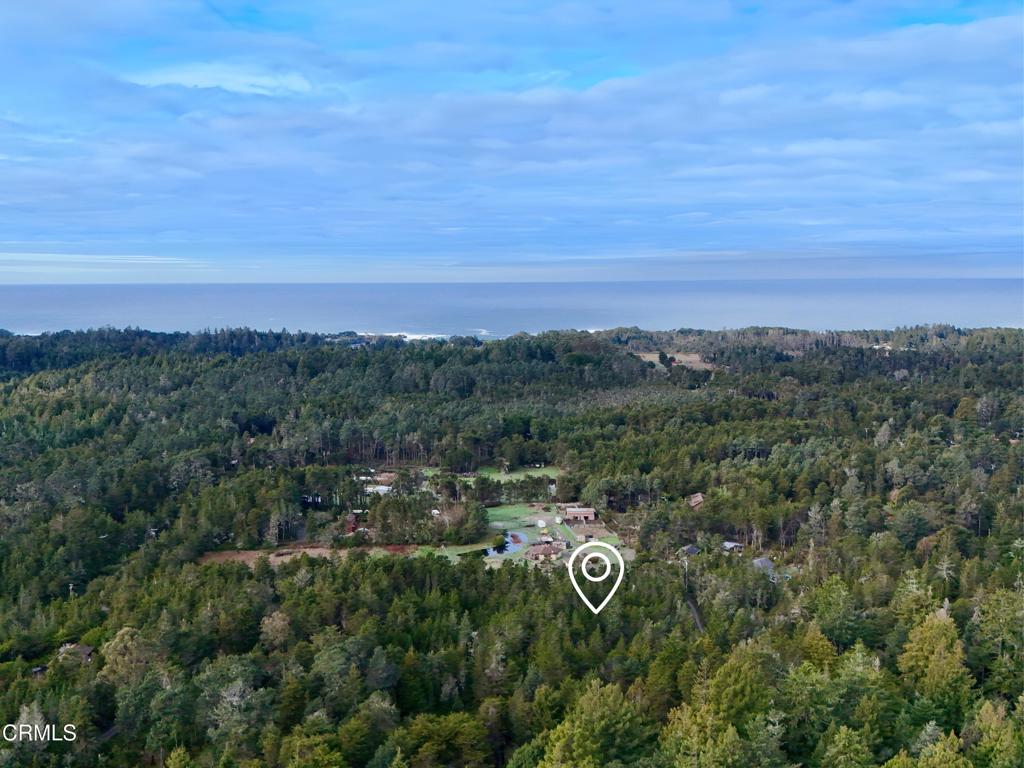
(543, 550)
(83, 651)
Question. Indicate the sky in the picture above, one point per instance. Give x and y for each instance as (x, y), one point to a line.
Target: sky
(391, 140)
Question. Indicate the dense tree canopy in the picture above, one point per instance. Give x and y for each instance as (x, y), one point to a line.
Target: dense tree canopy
(878, 472)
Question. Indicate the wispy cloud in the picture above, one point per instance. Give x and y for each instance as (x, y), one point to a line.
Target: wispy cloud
(236, 78)
(341, 140)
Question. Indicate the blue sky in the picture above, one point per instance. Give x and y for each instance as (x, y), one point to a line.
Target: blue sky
(317, 140)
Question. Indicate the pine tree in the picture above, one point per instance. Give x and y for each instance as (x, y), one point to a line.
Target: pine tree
(835, 610)
(902, 760)
(933, 661)
(944, 753)
(179, 759)
(601, 729)
(998, 744)
(847, 749)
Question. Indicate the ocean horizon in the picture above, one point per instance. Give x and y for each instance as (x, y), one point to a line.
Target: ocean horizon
(495, 310)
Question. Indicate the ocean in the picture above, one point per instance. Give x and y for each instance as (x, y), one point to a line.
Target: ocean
(493, 310)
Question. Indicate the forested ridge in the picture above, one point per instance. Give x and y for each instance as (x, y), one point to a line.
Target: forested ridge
(880, 474)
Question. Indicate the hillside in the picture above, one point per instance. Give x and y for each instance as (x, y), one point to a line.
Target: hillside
(880, 474)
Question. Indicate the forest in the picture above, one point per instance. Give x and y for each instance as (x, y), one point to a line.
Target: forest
(876, 476)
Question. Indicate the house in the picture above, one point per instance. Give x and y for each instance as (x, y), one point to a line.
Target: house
(386, 478)
(580, 514)
(763, 564)
(695, 501)
(381, 489)
(732, 546)
(75, 651)
(690, 550)
(543, 552)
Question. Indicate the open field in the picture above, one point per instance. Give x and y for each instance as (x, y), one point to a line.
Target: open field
(686, 359)
(519, 474)
(512, 514)
(452, 551)
(568, 533)
(495, 473)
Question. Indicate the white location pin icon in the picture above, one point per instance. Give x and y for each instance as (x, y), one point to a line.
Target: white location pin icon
(594, 551)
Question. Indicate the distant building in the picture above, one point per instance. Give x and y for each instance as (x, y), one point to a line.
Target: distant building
(82, 653)
(690, 550)
(695, 501)
(580, 514)
(732, 546)
(763, 564)
(544, 552)
(381, 489)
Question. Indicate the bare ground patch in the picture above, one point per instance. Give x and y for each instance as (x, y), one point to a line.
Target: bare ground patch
(286, 553)
(690, 360)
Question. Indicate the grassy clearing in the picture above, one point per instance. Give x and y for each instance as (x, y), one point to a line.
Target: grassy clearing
(513, 514)
(568, 533)
(452, 552)
(495, 473)
(518, 474)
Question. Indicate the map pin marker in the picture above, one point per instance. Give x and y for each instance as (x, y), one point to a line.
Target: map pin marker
(593, 551)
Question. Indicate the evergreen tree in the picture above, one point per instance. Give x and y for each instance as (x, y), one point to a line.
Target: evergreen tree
(847, 749)
(933, 661)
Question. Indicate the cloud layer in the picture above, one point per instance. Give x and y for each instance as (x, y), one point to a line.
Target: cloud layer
(230, 140)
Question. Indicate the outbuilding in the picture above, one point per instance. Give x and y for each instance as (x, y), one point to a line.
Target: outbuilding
(580, 514)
